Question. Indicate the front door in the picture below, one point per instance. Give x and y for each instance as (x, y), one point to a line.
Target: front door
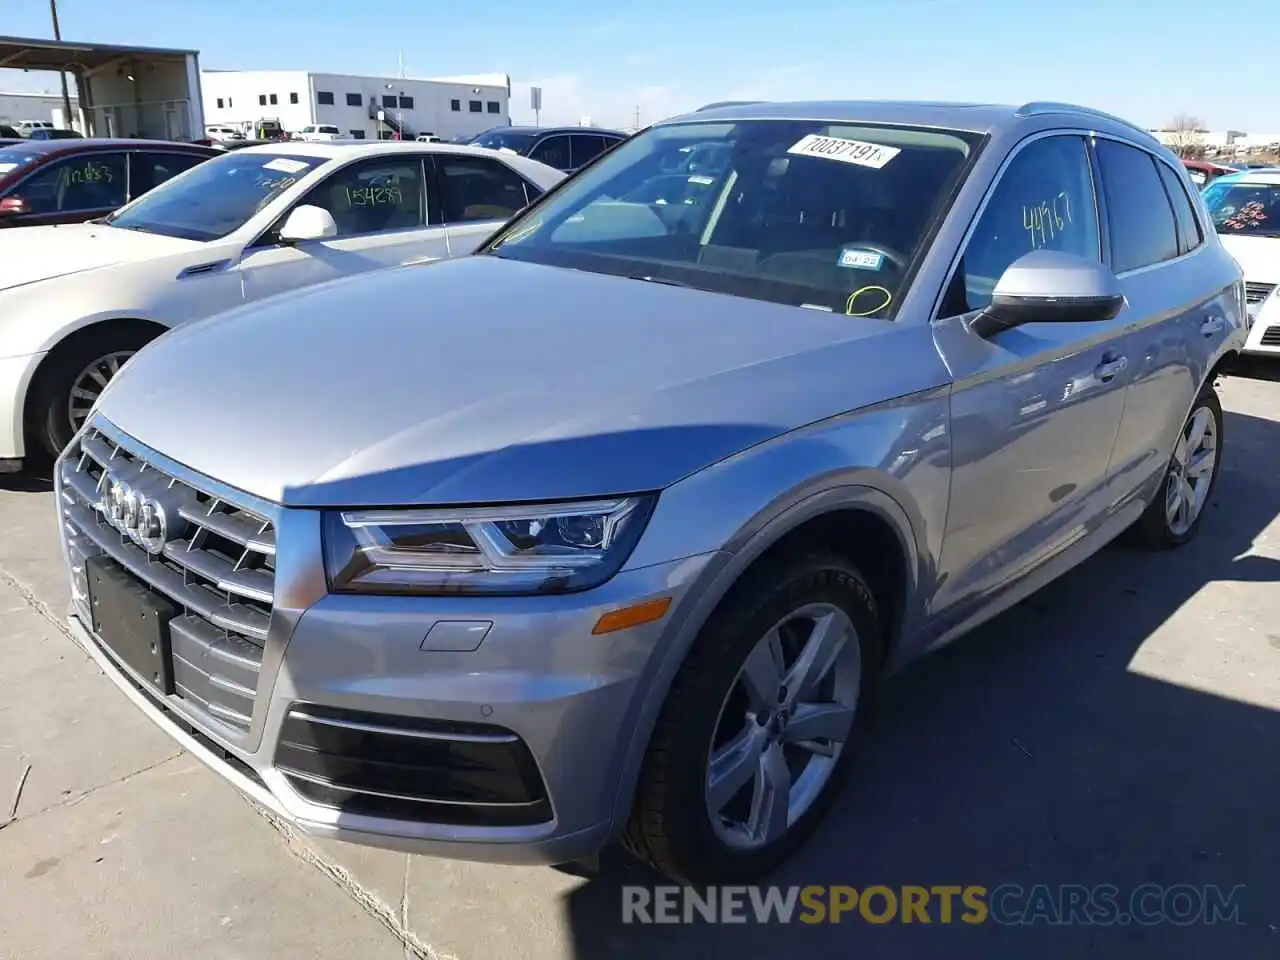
(478, 195)
(71, 190)
(1035, 409)
(384, 217)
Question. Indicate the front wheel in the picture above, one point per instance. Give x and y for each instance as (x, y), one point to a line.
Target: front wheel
(74, 377)
(760, 724)
(1174, 515)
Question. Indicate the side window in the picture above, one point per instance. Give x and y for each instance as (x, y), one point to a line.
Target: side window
(1142, 226)
(474, 188)
(584, 149)
(554, 152)
(1043, 201)
(92, 182)
(373, 196)
(148, 170)
(1189, 235)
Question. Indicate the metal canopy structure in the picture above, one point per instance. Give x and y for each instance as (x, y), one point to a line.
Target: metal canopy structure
(26, 53)
(121, 90)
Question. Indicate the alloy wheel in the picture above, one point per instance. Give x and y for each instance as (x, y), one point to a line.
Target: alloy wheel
(1191, 472)
(89, 384)
(783, 725)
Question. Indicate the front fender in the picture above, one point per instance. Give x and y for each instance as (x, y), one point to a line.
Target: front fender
(735, 511)
(34, 318)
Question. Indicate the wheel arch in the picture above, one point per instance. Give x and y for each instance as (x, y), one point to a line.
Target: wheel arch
(862, 523)
(69, 339)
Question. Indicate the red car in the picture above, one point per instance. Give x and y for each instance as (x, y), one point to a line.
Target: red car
(1204, 172)
(70, 181)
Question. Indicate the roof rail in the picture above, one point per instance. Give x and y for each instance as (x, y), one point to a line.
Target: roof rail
(1038, 108)
(727, 103)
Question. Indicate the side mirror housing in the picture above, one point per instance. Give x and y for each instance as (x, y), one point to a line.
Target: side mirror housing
(1048, 286)
(308, 222)
(13, 206)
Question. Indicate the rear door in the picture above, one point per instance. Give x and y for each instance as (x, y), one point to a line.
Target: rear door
(72, 189)
(1176, 318)
(477, 195)
(1034, 409)
(385, 217)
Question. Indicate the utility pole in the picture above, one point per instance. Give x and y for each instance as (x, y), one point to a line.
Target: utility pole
(637, 116)
(62, 74)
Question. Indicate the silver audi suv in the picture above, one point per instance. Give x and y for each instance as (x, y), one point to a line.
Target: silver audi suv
(610, 530)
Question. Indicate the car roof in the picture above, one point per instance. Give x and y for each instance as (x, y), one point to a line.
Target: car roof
(1269, 176)
(342, 149)
(983, 118)
(104, 143)
(537, 130)
(358, 149)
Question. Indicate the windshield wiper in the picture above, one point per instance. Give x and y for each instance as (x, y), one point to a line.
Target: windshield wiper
(662, 280)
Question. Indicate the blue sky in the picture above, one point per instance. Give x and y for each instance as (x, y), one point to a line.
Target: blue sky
(1143, 59)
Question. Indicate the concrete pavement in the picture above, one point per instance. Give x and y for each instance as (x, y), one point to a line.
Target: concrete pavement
(1120, 727)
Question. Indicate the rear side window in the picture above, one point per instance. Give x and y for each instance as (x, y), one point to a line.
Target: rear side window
(149, 170)
(1189, 235)
(1143, 229)
(585, 148)
(476, 189)
(554, 152)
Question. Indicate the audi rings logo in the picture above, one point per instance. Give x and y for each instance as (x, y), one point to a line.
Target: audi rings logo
(146, 514)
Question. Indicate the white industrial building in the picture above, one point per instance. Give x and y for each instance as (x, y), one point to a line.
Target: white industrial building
(361, 107)
(38, 106)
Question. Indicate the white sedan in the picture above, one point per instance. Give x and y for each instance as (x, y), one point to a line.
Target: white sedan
(76, 302)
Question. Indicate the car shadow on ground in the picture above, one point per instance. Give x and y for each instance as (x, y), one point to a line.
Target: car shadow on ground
(1034, 751)
(39, 480)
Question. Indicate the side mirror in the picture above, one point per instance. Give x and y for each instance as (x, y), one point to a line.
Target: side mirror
(13, 206)
(308, 223)
(1048, 286)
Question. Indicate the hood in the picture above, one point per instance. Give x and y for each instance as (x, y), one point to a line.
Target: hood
(489, 380)
(1259, 257)
(32, 254)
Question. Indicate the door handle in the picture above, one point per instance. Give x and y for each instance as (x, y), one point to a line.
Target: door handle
(1108, 369)
(1212, 325)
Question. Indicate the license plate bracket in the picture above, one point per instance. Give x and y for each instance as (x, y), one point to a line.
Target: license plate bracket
(132, 620)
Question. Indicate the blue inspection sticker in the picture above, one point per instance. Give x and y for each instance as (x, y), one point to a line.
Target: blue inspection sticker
(857, 259)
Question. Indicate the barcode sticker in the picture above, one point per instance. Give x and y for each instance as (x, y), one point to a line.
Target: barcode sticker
(863, 154)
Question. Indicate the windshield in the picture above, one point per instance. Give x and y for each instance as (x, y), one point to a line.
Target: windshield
(216, 197)
(15, 158)
(503, 140)
(1250, 209)
(806, 213)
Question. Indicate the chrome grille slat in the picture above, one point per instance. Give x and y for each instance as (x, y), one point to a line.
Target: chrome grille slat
(253, 584)
(240, 527)
(198, 599)
(220, 569)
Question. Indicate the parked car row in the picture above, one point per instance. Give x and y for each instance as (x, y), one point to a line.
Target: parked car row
(233, 228)
(607, 522)
(57, 181)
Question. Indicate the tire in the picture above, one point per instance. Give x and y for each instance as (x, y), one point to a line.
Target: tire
(1156, 529)
(671, 827)
(50, 418)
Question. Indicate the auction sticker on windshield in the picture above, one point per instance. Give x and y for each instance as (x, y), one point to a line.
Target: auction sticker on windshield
(285, 165)
(864, 154)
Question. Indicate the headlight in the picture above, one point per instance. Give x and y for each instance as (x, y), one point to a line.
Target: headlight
(556, 548)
